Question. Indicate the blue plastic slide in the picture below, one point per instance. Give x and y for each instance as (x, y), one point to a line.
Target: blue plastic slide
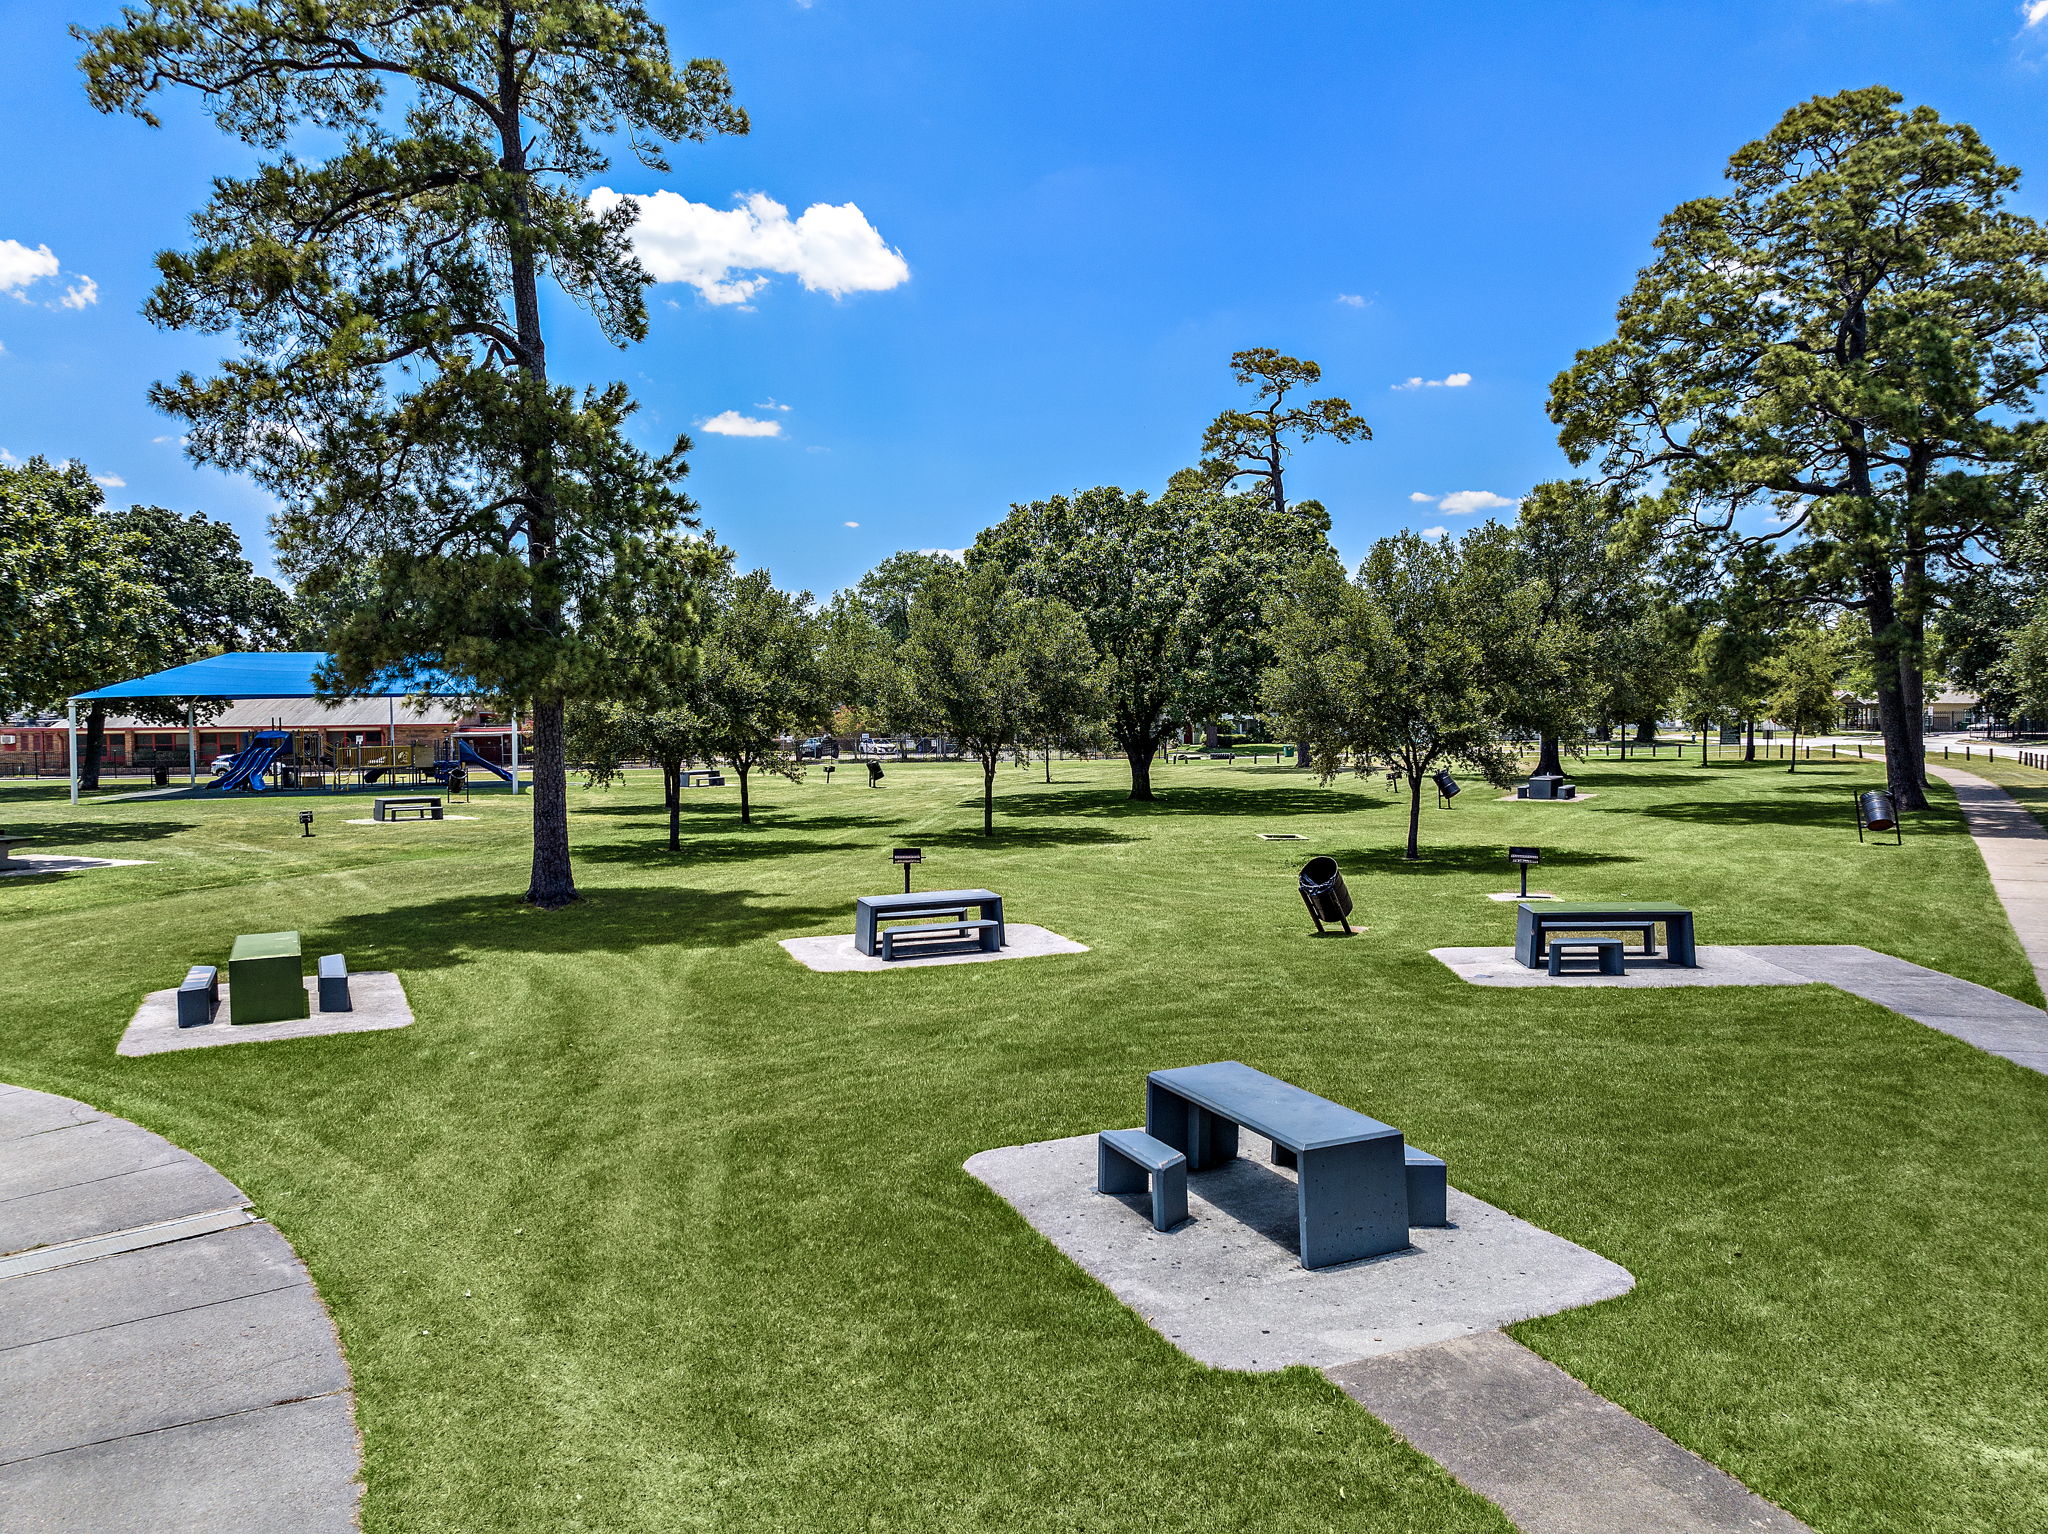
(252, 761)
(468, 756)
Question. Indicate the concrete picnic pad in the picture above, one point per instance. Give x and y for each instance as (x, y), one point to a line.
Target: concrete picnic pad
(165, 1365)
(1227, 1286)
(838, 955)
(377, 995)
(1412, 1336)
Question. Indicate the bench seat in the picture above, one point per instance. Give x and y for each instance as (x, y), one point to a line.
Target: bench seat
(1126, 1160)
(986, 933)
(1428, 1187)
(198, 996)
(1606, 952)
(334, 995)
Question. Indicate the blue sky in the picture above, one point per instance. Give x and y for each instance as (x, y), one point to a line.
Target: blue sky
(1093, 204)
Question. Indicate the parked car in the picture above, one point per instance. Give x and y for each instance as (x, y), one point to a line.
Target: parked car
(879, 748)
(818, 746)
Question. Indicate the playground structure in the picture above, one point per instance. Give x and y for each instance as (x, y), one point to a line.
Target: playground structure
(299, 760)
(278, 757)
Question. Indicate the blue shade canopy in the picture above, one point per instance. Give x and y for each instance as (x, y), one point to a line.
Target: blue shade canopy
(259, 674)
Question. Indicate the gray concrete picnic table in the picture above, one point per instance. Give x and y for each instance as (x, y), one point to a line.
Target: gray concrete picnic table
(1533, 922)
(870, 910)
(1352, 1201)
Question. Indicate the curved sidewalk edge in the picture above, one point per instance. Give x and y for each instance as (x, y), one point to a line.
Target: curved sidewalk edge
(2015, 849)
(165, 1364)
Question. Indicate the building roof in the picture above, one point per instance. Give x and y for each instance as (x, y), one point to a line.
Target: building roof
(264, 674)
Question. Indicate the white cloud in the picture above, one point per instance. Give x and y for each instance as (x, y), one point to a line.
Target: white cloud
(828, 249)
(730, 423)
(770, 404)
(82, 294)
(1448, 381)
(1357, 300)
(1436, 532)
(7, 457)
(2037, 13)
(110, 481)
(850, 524)
(958, 556)
(20, 265)
(1413, 495)
(1462, 503)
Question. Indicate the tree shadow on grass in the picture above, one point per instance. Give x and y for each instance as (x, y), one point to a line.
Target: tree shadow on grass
(1459, 860)
(655, 851)
(51, 835)
(1025, 836)
(1836, 809)
(441, 934)
(1175, 800)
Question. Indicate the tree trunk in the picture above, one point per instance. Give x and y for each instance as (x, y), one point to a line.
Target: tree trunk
(95, 746)
(1414, 852)
(1138, 749)
(1048, 762)
(1905, 773)
(1795, 750)
(672, 795)
(1209, 735)
(1704, 727)
(1548, 757)
(988, 795)
(1646, 732)
(1749, 740)
(553, 884)
(746, 808)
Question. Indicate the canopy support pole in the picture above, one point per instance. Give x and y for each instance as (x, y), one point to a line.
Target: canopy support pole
(191, 745)
(515, 751)
(71, 710)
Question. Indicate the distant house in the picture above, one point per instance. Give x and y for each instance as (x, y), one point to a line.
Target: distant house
(1945, 712)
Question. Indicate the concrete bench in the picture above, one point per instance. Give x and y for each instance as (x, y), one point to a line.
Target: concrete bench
(7, 846)
(985, 933)
(423, 807)
(334, 995)
(712, 777)
(198, 995)
(1429, 1183)
(1126, 1160)
(1606, 952)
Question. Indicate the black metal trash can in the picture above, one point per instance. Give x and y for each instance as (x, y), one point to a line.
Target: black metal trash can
(1324, 893)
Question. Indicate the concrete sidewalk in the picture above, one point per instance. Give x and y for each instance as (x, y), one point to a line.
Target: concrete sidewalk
(165, 1365)
(2015, 849)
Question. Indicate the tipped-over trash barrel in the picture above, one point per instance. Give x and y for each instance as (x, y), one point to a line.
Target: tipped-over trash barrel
(1323, 892)
(1879, 813)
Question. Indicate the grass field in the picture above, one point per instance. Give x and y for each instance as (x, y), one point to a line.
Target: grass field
(643, 1227)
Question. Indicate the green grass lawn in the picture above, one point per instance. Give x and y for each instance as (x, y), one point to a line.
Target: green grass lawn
(643, 1227)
